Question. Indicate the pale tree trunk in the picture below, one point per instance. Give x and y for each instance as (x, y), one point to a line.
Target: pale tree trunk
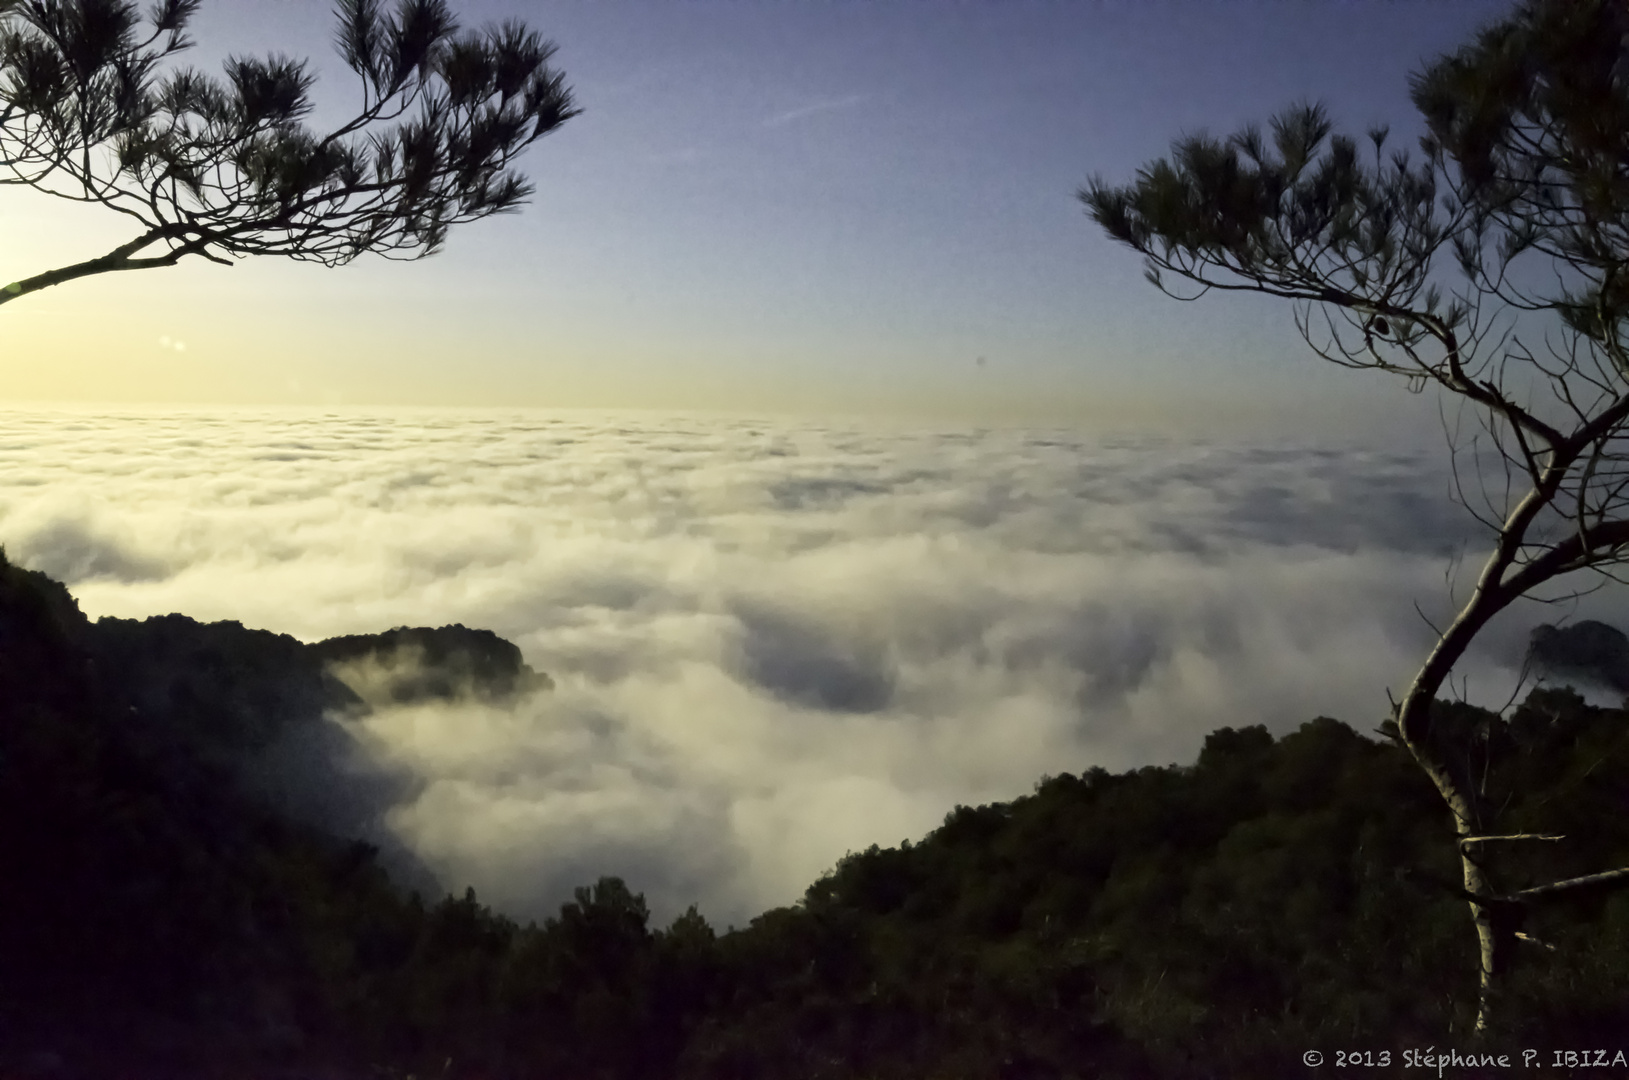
(1495, 932)
(1492, 914)
(1497, 916)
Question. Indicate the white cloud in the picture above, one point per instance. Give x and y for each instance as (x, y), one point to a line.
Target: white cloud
(772, 643)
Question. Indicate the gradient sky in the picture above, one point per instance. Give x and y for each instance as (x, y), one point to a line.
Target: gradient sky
(829, 207)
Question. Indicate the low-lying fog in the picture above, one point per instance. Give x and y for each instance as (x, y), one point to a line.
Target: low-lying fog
(773, 642)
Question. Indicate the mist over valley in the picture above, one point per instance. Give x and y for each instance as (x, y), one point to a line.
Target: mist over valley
(772, 641)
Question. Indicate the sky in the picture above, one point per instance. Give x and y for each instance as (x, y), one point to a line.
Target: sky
(822, 208)
(772, 641)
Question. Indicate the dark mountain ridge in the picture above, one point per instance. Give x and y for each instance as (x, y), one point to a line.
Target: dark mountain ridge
(1591, 651)
(147, 770)
(163, 916)
(263, 706)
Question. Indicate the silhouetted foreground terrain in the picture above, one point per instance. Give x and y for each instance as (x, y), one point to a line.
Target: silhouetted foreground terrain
(168, 909)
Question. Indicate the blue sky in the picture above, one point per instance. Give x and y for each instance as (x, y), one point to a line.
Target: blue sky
(810, 207)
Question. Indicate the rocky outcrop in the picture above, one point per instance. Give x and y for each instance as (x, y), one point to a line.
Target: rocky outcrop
(226, 688)
(234, 688)
(413, 664)
(1587, 651)
(268, 711)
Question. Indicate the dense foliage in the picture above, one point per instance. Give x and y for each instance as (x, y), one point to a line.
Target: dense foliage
(1209, 920)
(1524, 185)
(94, 109)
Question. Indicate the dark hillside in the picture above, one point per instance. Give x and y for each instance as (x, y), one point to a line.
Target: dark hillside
(163, 916)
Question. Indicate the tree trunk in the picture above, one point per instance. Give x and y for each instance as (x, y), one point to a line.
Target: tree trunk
(1495, 937)
(1491, 915)
(1495, 928)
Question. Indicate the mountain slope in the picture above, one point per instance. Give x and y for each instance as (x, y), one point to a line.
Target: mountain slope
(169, 914)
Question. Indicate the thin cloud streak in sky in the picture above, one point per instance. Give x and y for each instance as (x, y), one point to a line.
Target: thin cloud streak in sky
(809, 110)
(772, 642)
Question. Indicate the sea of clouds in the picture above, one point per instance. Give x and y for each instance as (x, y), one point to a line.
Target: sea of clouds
(773, 642)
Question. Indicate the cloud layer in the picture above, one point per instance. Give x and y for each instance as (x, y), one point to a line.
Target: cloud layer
(772, 642)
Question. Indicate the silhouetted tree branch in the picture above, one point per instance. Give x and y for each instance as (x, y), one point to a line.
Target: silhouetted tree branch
(228, 169)
(1524, 186)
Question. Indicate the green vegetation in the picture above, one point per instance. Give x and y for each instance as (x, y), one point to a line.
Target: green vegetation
(1213, 920)
(1523, 190)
